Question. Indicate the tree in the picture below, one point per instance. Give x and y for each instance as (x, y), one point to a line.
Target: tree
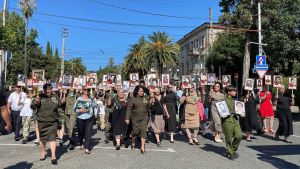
(48, 49)
(162, 49)
(56, 56)
(77, 66)
(51, 52)
(27, 7)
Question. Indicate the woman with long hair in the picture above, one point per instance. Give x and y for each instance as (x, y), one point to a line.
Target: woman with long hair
(266, 109)
(215, 125)
(138, 107)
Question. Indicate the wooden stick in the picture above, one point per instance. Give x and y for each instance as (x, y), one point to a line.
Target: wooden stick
(21, 88)
(268, 87)
(277, 90)
(61, 95)
(91, 91)
(64, 93)
(210, 88)
(292, 91)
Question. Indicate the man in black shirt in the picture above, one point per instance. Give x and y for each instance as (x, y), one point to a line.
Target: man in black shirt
(4, 112)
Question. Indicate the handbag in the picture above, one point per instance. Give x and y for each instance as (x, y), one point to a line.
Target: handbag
(164, 112)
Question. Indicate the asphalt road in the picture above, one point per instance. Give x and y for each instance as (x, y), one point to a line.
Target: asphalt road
(263, 152)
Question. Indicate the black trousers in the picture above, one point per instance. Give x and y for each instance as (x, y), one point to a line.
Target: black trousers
(85, 128)
(16, 122)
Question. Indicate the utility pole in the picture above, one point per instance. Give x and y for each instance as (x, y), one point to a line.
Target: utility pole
(210, 39)
(63, 53)
(259, 30)
(3, 79)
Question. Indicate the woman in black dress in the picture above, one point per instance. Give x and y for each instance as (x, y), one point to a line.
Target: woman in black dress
(170, 106)
(283, 102)
(250, 121)
(119, 106)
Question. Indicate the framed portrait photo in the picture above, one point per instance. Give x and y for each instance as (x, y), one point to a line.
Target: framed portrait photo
(154, 84)
(131, 88)
(223, 108)
(193, 78)
(94, 74)
(100, 86)
(83, 105)
(259, 84)
(83, 79)
(40, 88)
(268, 79)
(187, 81)
(66, 81)
(146, 80)
(211, 79)
(293, 83)
(119, 80)
(111, 79)
(134, 79)
(226, 80)
(124, 87)
(203, 78)
(104, 80)
(165, 79)
(91, 81)
(277, 80)
(38, 77)
(21, 80)
(77, 83)
(54, 84)
(150, 76)
(249, 84)
(29, 84)
(239, 107)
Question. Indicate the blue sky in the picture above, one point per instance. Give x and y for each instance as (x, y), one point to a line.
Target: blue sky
(86, 43)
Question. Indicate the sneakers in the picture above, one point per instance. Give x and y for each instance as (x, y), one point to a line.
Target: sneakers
(37, 141)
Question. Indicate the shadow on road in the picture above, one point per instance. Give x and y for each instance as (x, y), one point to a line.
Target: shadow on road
(268, 153)
(23, 164)
(216, 149)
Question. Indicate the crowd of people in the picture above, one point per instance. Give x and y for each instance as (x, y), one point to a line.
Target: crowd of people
(123, 116)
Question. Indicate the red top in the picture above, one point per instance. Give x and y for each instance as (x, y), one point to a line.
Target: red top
(266, 108)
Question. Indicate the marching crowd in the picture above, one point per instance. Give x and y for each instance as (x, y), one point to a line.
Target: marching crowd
(123, 116)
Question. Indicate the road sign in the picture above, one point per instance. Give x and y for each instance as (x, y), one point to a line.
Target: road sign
(261, 67)
(261, 73)
(261, 60)
(236, 76)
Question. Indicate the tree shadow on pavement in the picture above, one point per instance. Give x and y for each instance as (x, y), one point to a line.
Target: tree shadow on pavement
(60, 150)
(23, 164)
(268, 153)
(216, 149)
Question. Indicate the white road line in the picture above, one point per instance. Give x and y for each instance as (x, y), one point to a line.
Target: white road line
(295, 136)
(157, 150)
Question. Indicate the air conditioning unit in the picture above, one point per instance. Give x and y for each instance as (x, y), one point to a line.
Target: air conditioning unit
(152, 70)
(164, 65)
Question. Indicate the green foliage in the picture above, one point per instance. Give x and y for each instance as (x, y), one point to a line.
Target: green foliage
(56, 56)
(27, 7)
(48, 49)
(289, 92)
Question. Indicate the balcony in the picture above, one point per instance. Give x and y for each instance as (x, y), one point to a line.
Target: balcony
(194, 52)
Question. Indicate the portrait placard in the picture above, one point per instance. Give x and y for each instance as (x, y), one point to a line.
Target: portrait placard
(134, 79)
(111, 79)
(126, 83)
(149, 76)
(223, 108)
(59, 83)
(66, 81)
(154, 84)
(104, 80)
(96, 77)
(249, 84)
(239, 107)
(226, 80)
(146, 80)
(259, 84)
(203, 78)
(21, 80)
(293, 83)
(78, 83)
(40, 88)
(165, 79)
(119, 80)
(186, 81)
(29, 84)
(100, 86)
(124, 87)
(38, 77)
(268, 79)
(211, 79)
(83, 79)
(131, 88)
(91, 82)
(83, 105)
(277, 80)
(53, 83)
(193, 78)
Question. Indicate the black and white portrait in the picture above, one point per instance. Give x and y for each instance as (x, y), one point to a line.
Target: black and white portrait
(186, 81)
(104, 80)
(67, 81)
(111, 80)
(293, 83)
(226, 80)
(222, 108)
(154, 85)
(134, 79)
(203, 79)
(53, 82)
(150, 76)
(119, 80)
(249, 84)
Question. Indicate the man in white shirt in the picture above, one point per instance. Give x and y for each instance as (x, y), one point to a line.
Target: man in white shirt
(14, 110)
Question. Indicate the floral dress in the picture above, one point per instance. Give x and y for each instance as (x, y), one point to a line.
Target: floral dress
(216, 120)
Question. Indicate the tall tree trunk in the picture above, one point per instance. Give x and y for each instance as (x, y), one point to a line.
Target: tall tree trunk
(246, 62)
(25, 47)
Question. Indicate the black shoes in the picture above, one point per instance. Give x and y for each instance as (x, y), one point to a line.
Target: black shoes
(54, 161)
(276, 136)
(24, 141)
(71, 145)
(17, 139)
(231, 157)
(118, 147)
(235, 155)
(42, 159)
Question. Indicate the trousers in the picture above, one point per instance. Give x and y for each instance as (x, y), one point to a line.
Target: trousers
(16, 122)
(26, 120)
(101, 121)
(85, 128)
(108, 116)
(230, 128)
(70, 124)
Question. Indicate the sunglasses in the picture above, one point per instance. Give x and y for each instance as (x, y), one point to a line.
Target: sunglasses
(87, 90)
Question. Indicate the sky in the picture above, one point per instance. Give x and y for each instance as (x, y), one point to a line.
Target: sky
(87, 33)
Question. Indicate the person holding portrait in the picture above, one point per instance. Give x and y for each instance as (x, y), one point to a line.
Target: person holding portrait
(266, 108)
(108, 115)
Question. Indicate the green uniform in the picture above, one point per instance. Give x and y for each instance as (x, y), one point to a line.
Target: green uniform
(108, 113)
(231, 125)
(71, 116)
(138, 107)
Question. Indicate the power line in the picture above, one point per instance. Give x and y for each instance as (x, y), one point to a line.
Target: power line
(147, 2)
(133, 10)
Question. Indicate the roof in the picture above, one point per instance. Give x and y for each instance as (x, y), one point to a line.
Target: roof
(204, 25)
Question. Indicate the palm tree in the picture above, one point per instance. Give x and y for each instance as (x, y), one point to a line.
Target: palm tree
(77, 65)
(162, 49)
(27, 7)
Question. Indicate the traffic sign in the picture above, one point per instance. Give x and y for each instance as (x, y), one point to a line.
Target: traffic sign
(261, 67)
(236, 76)
(261, 73)
(261, 60)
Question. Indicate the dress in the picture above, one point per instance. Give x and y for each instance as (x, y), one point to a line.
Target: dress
(266, 108)
(284, 113)
(170, 101)
(157, 117)
(216, 120)
(191, 111)
(250, 121)
(118, 116)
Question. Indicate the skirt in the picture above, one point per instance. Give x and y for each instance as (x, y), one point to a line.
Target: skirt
(139, 128)
(48, 131)
(158, 124)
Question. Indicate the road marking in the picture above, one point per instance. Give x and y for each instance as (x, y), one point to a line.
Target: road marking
(295, 136)
(157, 150)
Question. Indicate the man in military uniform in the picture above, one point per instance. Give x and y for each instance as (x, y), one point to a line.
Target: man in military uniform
(71, 116)
(108, 115)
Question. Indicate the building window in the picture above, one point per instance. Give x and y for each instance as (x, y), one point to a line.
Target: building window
(197, 44)
(202, 42)
(182, 69)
